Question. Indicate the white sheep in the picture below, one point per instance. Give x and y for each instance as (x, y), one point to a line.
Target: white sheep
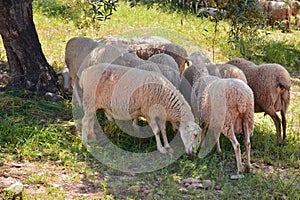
(162, 63)
(271, 87)
(219, 70)
(128, 93)
(223, 105)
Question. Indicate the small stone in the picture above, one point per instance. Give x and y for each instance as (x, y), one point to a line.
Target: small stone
(236, 176)
(207, 183)
(53, 97)
(160, 192)
(217, 187)
(182, 189)
(16, 188)
(105, 174)
(17, 165)
(283, 196)
(190, 180)
(195, 186)
(58, 162)
(134, 188)
(146, 192)
(55, 185)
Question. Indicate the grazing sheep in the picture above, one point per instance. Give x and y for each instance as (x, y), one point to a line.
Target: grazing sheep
(271, 87)
(127, 42)
(187, 80)
(277, 11)
(76, 50)
(226, 71)
(147, 47)
(114, 55)
(128, 93)
(168, 67)
(219, 70)
(223, 105)
(176, 51)
(295, 6)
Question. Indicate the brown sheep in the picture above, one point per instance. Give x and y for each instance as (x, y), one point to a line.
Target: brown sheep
(271, 87)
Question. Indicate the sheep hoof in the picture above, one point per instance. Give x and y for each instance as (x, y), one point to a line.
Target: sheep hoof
(247, 168)
(170, 150)
(162, 150)
(92, 137)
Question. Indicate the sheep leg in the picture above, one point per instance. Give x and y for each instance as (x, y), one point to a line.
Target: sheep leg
(156, 131)
(162, 127)
(203, 133)
(237, 150)
(165, 139)
(109, 118)
(217, 137)
(283, 121)
(277, 122)
(88, 127)
(248, 145)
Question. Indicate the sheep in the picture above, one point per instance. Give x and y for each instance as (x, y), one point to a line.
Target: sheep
(128, 93)
(168, 67)
(223, 105)
(147, 47)
(76, 50)
(219, 70)
(127, 42)
(226, 71)
(295, 6)
(277, 11)
(172, 49)
(271, 86)
(111, 54)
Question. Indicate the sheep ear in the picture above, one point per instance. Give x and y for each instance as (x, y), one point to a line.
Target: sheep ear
(188, 60)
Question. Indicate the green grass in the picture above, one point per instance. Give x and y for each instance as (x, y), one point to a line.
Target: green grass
(42, 137)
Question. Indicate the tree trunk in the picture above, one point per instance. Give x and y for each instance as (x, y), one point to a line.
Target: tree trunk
(28, 67)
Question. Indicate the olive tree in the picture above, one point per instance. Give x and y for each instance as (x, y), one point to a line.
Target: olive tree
(28, 67)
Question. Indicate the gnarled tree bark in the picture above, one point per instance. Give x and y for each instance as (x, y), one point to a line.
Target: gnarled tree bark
(28, 67)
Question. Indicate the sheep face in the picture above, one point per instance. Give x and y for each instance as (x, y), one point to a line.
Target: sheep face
(190, 132)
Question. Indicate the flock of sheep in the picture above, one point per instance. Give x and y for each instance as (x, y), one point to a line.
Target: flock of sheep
(273, 10)
(149, 77)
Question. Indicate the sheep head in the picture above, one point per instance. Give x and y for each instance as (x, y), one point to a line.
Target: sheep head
(66, 78)
(190, 133)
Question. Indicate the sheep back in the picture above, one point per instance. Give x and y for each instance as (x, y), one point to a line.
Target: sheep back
(120, 98)
(226, 71)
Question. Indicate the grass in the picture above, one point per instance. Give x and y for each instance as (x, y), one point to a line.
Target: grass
(41, 136)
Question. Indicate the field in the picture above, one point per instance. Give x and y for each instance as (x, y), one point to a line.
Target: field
(40, 147)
